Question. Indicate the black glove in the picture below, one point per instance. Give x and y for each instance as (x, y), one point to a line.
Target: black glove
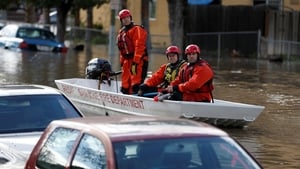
(176, 94)
(124, 90)
(135, 89)
(175, 88)
(142, 89)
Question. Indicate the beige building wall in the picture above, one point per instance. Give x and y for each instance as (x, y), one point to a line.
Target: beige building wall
(237, 2)
(292, 5)
(159, 26)
(101, 16)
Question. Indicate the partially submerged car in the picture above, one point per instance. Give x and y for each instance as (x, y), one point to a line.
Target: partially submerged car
(26, 110)
(27, 37)
(136, 142)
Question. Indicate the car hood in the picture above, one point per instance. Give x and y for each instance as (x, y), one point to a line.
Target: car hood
(10, 158)
(23, 142)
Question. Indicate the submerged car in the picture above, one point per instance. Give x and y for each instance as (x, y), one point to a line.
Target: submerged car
(136, 142)
(26, 110)
(25, 37)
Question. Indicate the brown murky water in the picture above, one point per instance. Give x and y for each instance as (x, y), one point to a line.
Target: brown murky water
(274, 138)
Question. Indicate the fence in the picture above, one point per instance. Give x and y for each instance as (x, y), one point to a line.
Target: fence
(280, 49)
(246, 43)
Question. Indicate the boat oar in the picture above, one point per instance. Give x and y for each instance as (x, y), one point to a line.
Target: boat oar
(161, 97)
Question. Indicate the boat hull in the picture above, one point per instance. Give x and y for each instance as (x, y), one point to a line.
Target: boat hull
(109, 101)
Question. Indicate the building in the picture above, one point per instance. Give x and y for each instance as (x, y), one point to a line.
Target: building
(278, 14)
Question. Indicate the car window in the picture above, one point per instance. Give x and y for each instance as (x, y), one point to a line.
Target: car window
(90, 154)
(27, 113)
(47, 35)
(35, 33)
(56, 150)
(28, 33)
(187, 153)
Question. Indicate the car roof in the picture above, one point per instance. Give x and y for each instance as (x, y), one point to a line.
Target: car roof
(13, 90)
(128, 127)
(24, 26)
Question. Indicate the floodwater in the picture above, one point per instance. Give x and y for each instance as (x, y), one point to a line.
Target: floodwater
(274, 138)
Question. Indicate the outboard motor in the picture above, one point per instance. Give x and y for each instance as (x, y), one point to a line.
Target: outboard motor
(98, 69)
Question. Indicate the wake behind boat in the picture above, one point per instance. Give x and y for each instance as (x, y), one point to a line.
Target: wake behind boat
(108, 100)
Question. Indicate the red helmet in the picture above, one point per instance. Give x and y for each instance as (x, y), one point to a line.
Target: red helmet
(124, 13)
(192, 49)
(172, 49)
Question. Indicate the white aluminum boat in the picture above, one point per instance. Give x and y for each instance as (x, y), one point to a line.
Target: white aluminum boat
(108, 100)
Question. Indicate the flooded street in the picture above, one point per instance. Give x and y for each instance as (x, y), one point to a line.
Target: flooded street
(274, 138)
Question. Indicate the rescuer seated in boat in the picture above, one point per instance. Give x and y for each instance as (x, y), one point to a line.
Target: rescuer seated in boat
(165, 74)
(194, 81)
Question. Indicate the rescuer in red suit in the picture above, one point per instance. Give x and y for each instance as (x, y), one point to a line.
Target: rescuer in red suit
(195, 80)
(132, 40)
(165, 74)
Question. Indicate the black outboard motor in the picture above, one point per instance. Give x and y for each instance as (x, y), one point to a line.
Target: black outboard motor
(98, 69)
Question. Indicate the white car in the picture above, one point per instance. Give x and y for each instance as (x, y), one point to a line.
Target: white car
(26, 110)
(10, 158)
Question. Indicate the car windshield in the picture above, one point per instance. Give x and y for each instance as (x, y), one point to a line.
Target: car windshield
(35, 33)
(183, 153)
(29, 113)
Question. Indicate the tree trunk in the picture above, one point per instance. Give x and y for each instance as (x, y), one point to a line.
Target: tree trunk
(62, 13)
(145, 22)
(89, 19)
(176, 21)
(61, 25)
(30, 15)
(77, 17)
(123, 4)
(76, 32)
(46, 18)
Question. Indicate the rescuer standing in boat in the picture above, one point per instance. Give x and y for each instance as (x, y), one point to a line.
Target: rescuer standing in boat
(194, 81)
(132, 40)
(165, 74)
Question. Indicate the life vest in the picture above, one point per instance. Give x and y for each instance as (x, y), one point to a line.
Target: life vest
(125, 43)
(171, 71)
(208, 86)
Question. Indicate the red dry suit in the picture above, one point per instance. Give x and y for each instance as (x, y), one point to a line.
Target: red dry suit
(165, 74)
(132, 40)
(194, 81)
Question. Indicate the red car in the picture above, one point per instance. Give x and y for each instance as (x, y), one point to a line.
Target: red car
(130, 142)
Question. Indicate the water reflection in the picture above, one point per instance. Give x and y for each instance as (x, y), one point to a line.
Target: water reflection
(273, 138)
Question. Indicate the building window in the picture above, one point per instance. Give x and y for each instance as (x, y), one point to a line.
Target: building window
(152, 9)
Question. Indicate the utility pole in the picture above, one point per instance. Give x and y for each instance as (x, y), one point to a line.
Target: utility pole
(145, 23)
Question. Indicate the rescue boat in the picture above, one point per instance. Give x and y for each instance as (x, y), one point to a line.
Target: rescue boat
(92, 96)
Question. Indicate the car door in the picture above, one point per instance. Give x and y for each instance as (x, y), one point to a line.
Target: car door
(90, 154)
(57, 149)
